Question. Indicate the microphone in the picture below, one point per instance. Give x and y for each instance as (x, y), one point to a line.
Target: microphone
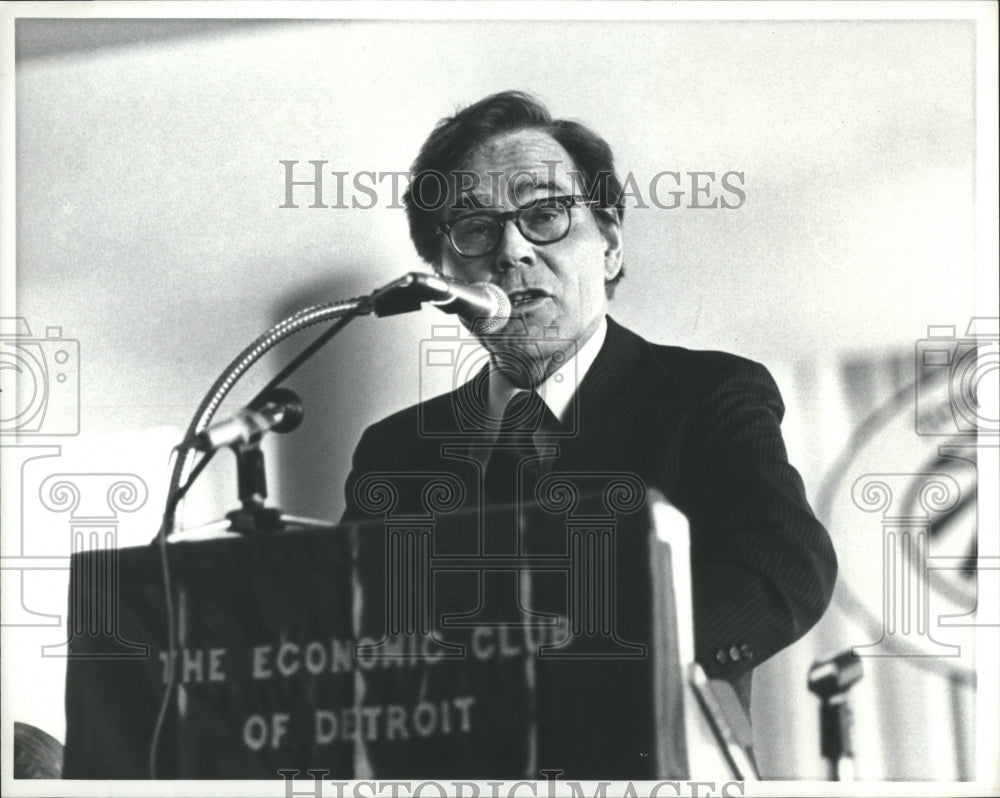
(281, 413)
(483, 306)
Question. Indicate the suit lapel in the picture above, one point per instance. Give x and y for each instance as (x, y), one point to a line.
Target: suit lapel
(602, 436)
(599, 435)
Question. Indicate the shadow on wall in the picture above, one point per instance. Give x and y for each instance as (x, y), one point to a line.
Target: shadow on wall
(365, 372)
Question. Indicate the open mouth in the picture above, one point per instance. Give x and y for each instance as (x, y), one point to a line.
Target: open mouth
(526, 296)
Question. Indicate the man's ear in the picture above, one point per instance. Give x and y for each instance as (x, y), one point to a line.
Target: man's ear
(611, 230)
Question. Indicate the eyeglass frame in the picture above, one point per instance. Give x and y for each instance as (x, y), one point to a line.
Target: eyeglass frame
(501, 219)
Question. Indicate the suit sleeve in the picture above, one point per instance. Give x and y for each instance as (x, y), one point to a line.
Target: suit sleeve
(365, 460)
(766, 567)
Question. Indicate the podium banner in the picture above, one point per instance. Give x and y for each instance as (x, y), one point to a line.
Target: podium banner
(457, 646)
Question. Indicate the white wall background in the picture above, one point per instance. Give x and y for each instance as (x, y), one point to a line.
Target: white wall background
(149, 186)
(148, 223)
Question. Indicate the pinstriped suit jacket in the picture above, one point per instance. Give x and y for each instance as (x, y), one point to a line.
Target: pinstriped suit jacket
(704, 429)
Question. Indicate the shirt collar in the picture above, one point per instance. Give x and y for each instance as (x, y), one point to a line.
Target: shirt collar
(558, 389)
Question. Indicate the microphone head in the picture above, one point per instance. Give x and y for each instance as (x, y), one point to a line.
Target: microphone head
(499, 310)
(289, 405)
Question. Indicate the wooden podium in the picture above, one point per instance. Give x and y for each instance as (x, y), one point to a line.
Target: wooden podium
(448, 646)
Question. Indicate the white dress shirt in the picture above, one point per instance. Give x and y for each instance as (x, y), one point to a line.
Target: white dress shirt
(557, 390)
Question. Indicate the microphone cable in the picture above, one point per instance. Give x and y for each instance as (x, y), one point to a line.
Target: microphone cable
(344, 313)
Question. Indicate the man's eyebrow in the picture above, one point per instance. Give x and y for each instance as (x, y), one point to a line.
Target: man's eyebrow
(545, 185)
(475, 200)
(470, 200)
(548, 184)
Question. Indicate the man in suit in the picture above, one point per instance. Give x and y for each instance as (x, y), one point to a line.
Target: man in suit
(534, 207)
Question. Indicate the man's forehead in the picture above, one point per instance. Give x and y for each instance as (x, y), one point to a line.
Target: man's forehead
(515, 144)
(515, 164)
(494, 191)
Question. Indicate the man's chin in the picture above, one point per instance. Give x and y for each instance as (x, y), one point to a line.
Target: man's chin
(530, 355)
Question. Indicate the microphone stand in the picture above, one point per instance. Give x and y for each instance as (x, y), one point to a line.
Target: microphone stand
(403, 295)
(251, 479)
(830, 679)
(344, 312)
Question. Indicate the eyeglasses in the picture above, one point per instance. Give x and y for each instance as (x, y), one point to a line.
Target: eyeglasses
(543, 221)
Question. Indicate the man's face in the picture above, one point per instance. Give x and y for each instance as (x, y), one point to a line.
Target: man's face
(557, 289)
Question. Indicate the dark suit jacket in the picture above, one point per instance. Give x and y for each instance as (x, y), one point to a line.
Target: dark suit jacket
(703, 429)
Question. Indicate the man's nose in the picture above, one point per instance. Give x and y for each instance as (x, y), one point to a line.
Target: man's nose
(514, 249)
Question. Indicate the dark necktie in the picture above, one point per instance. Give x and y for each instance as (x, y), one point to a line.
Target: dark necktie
(514, 460)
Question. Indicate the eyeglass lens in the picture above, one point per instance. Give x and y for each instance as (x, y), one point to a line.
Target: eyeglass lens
(480, 233)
